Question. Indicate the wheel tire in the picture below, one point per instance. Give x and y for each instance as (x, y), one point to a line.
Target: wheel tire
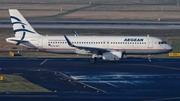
(93, 60)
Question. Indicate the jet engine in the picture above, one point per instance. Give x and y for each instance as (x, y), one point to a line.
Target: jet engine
(112, 56)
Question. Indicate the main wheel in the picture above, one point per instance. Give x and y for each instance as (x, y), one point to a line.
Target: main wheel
(93, 60)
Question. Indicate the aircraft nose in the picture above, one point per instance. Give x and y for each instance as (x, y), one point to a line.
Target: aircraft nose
(169, 48)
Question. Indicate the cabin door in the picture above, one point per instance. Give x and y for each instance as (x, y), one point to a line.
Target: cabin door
(150, 43)
(40, 42)
(106, 44)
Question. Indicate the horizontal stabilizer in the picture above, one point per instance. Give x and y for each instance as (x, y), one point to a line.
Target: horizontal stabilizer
(20, 40)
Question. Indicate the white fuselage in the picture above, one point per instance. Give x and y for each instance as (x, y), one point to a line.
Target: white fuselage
(125, 44)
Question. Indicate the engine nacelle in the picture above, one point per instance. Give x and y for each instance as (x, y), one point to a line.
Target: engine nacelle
(112, 56)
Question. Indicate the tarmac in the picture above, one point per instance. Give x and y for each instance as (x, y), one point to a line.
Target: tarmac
(77, 79)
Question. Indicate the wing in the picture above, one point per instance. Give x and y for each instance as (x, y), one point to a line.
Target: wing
(92, 49)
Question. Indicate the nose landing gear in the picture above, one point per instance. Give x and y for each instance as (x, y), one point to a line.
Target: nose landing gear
(149, 58)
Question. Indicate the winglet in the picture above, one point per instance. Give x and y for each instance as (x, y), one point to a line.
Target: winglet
(75, 34)
(68, 41)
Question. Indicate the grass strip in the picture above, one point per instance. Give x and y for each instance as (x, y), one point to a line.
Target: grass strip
(16, 83)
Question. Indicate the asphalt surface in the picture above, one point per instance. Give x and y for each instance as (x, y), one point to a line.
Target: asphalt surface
(99, 24)
(77, 79)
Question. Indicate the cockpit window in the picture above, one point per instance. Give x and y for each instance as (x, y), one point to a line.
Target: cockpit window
(162, 42)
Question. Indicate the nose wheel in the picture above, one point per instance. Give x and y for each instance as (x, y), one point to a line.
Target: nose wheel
(149, 58)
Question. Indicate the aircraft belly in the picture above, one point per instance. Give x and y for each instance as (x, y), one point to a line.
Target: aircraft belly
(144, 51)
(61, 51)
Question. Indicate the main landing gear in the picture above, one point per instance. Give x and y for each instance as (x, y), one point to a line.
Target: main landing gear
(94, 58)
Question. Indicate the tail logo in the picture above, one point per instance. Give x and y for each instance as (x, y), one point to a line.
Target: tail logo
(23, 29)
(23, 26)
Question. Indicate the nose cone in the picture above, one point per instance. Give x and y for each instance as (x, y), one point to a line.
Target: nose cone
(169, 48)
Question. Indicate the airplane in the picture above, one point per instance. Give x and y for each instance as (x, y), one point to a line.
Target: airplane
(111, 48)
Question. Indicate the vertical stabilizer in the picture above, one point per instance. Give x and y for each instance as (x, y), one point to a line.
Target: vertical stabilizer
(20, 25)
